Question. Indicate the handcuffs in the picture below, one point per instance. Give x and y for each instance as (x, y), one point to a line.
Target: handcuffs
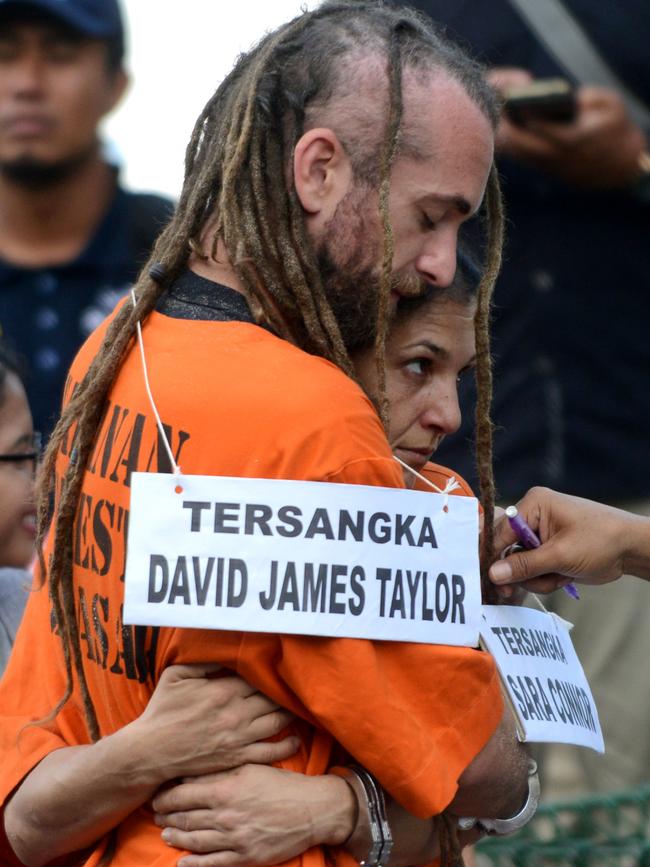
(500, 827)
(370, 794)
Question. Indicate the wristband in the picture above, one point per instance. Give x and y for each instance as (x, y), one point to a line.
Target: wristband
(372, 819)
(500, 827)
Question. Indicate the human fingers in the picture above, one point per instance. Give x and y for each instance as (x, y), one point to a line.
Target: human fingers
(215, 859)
(524, 142)
(229, 686)
(504, 78)
(258, 705)
(191, 820)
(199, 841)
(516, 567)
(582, 539)
(504, 535)
(263, 815)
(514, 593)
(197, 721)
(268, 752)
(606, 117)
(257, 720)
(240, 688)
(195, 696)
(188, 795)
(189, 670)
(185, 685)
(536, 569)
(225, 858)
(266, 724)
(590, 96)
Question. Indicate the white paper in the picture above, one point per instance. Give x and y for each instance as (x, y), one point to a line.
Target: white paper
(543, 676)
(265, 555)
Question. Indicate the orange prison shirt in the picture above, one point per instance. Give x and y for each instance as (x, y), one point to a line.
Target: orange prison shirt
(237, 401)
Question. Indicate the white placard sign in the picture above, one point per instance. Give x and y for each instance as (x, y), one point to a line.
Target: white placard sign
(543, 676)
(308, 558)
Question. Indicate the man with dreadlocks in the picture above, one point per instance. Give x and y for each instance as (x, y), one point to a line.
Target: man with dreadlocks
(328, 175)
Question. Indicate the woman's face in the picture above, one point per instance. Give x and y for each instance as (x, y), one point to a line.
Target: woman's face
(426, 354)
(17, 515)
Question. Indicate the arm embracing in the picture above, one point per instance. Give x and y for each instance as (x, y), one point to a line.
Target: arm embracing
(193, 723)
(256, 815)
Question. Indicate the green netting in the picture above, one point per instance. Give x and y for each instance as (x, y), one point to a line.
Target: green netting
(610, 830)
(569, 853)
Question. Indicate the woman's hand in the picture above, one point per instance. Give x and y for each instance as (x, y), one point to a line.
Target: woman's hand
(199, 723)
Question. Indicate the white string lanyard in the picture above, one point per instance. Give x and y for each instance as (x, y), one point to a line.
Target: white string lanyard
(452, 483)
(176, 470)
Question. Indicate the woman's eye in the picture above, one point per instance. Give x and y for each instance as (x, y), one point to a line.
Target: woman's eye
(419, 366)
(426, 222)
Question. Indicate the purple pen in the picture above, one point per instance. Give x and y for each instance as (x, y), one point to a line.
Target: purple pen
(529, 539)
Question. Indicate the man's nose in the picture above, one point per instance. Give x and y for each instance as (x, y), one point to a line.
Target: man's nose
(26, 75)
(437, 260)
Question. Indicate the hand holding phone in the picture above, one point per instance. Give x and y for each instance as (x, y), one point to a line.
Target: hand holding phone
(546, 99)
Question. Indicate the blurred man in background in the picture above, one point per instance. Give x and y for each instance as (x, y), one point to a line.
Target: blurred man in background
(71, 239)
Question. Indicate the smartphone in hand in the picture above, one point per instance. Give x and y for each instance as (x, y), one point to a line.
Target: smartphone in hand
(547, 99)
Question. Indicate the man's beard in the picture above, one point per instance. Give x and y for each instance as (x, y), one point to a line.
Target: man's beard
(35, 174)
(353, 295)
(347, 258)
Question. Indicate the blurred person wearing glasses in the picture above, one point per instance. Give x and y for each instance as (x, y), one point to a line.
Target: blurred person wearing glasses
(19, 451)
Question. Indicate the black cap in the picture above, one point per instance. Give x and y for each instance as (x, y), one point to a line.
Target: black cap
(98, 19)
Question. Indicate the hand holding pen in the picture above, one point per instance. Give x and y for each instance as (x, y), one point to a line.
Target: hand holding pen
(529, 540)
(580, 539)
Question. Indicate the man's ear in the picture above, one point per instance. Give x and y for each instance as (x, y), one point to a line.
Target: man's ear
(322, 173)
(118, 86)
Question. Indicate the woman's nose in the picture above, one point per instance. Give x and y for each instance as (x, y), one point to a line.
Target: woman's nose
(443, 413)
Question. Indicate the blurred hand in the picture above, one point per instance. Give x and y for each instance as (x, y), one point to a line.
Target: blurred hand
(254, 815)
(198, 723)
(505, 78)
(600, 149)
(581, 540)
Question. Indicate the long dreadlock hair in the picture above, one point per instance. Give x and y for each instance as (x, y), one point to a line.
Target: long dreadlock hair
(237, 181)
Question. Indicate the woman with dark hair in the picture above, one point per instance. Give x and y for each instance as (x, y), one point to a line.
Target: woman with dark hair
(18, 457)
